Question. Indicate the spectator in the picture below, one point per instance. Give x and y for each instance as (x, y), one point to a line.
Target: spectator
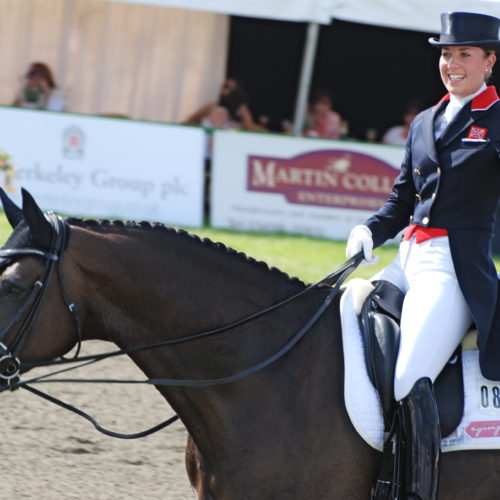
(217, 117)
(264, 122)
(39, 90)
(233, 98)
(398, 134)
(321, 120)
(286, 126)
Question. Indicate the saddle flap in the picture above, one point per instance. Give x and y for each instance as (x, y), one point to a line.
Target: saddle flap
(379, 323)
(381, 362)
(478, 426)
(380, 330)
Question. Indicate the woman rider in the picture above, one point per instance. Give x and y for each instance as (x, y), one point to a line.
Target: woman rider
(448, 192)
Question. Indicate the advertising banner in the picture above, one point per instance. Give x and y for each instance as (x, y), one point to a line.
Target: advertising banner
(297, 185)
(104, 167)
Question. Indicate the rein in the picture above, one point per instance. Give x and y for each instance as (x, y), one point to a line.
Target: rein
(10, 365)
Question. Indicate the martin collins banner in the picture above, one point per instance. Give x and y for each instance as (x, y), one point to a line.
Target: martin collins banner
(263, 182)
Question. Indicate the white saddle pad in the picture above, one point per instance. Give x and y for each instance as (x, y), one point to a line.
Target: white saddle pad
(480, 425)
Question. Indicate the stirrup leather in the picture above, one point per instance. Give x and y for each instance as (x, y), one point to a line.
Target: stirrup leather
(388, 484)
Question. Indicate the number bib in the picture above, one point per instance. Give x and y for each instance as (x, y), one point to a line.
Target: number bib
(489, 402)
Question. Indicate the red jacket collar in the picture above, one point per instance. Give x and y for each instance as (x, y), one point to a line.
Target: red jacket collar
(485, 99)
(481, 102)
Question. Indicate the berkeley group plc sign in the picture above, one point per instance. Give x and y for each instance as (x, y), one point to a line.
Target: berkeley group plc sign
(104, 167)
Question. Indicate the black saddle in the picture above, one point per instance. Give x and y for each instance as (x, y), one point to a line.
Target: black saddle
(379, 322)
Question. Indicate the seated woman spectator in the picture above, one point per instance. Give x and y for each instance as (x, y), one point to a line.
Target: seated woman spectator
(39, 90)
(217, 117)
(398, 134)
(321, 120)
(234, 100)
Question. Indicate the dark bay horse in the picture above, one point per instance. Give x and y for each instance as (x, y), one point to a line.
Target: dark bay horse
(281, 433)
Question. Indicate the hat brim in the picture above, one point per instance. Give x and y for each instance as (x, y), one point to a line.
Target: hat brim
(484, 44)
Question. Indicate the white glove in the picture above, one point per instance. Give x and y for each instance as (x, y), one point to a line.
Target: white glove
(359, 240)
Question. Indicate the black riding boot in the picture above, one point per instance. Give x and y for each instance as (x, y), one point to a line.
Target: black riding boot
(422, 441)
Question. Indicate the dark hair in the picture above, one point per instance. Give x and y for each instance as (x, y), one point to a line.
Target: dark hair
(236, 83)
(232, 102)
(43, 71)
(319, 95)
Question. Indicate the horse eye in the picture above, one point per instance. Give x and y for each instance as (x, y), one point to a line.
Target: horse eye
(11, 289)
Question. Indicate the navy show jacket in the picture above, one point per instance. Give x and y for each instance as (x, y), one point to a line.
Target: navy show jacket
(454, 183)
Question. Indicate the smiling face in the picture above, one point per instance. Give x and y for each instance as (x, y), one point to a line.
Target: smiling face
(463, 68)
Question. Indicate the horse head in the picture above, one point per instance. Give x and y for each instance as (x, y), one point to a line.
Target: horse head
(29, 261)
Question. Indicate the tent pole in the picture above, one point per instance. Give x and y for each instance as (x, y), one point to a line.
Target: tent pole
(305, 77)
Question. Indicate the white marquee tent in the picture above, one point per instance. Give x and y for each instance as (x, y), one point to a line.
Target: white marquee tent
(160, 59)
(420, 15)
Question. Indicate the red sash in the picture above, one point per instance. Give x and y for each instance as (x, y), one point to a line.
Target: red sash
(423, 233)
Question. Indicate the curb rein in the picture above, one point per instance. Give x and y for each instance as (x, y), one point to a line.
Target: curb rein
(10, 365)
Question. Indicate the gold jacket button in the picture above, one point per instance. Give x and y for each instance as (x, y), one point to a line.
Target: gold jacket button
(418, 197)
(433, 196)
(438, 171)
(425, 220)
(417, 171)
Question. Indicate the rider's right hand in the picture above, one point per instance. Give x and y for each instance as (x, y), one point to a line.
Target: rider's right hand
(359, 240)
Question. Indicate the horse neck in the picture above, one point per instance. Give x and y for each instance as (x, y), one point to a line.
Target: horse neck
(141, 288)
(149, 285)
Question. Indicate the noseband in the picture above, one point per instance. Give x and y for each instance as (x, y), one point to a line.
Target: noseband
(27, 313)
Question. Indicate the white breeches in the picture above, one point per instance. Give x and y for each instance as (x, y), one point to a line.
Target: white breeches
(435, 316)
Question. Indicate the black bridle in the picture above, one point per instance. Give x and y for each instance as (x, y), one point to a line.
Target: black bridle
(10, 365)
(9, 355)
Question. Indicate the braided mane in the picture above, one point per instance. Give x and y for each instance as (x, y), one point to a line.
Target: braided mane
(104, 225)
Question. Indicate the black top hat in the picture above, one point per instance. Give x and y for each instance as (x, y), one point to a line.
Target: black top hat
(468, 28)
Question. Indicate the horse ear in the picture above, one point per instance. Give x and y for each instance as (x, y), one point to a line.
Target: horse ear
(39, 226)
(13, 213)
